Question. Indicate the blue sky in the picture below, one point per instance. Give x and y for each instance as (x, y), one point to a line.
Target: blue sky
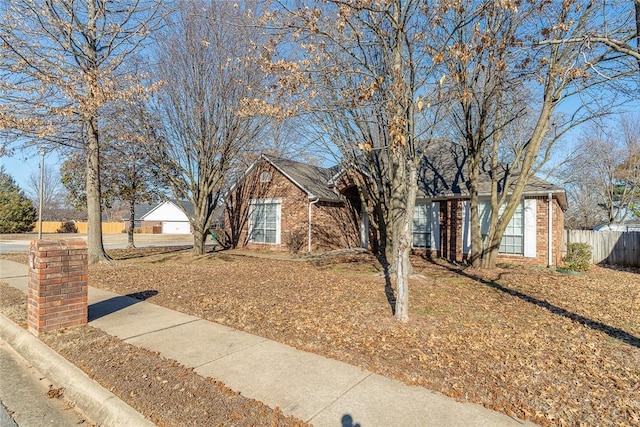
(22, 164)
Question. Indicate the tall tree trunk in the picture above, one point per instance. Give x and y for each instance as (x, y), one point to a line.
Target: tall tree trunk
(199, 237)
(403, 240)
(94, 212)
(94, 198)
(201, 221)
(490, 254)
(477, 245)
(132, 224)
(637, 10)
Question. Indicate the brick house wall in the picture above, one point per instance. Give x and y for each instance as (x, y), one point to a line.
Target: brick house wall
(542, 236)
(451, 234)
(333, 225)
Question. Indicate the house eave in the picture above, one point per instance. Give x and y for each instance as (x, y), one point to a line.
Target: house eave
(558, 194)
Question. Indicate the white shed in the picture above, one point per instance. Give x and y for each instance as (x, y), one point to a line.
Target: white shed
(170, 216)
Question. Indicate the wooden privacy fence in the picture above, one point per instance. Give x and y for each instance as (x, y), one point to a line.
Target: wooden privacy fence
(107, 227)
(609, 247)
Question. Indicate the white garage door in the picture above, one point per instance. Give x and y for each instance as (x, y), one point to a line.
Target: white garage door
(176, 227)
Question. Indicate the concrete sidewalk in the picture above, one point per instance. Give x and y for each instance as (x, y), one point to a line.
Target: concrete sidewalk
(321, 391)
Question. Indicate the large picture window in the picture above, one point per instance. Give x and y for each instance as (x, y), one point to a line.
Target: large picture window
(264, 221)
(512, 242)
(422, 226)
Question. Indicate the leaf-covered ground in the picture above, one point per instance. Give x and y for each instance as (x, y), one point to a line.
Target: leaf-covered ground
(166, 392)
(554, 348)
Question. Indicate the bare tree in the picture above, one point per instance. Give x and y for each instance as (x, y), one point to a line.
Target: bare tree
(131, 175)
(366, 71)
(206, 63)
(605, 170)
(59, 66)
(495, 63)
(53, 194)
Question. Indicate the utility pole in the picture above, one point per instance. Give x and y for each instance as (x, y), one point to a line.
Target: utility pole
(42, 152)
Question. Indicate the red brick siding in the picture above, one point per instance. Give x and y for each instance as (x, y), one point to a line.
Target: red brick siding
(450, 230)
(542, 236)
(451, 234)
(332, 224)
(57, 287)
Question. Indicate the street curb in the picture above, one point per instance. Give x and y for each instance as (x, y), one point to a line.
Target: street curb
(97, 403)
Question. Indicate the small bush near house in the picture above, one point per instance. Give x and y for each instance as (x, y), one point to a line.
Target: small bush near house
(578, 257)
(295, 240)
(67, 227)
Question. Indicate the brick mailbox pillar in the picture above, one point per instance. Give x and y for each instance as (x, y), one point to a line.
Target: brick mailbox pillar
(58, 275)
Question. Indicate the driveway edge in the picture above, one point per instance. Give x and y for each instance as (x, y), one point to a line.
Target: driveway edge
(99, 404)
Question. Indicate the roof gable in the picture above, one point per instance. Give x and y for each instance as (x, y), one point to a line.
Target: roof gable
(166, 211)
(313, 180)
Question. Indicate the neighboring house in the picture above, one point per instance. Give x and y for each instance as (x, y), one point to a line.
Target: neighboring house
(140, 210)
(169, 217)
(624, 227)
(277, 200)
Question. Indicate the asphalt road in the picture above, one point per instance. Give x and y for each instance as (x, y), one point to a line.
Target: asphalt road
(24, 396)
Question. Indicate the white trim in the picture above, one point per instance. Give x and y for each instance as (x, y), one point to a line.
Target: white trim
(263, 201)
(435, 226)
(550, 232)
(466, 227)
(530, 228)
(364, 227)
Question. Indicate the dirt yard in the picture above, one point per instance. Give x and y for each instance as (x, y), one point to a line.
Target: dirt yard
(557, 349)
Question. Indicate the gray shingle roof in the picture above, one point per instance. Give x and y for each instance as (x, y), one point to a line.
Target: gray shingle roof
(141, 209)
(314, 180)
(444, 175)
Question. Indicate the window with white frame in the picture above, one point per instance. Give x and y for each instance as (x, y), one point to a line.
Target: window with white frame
(512, 242)
(264, 221)
(422, 226)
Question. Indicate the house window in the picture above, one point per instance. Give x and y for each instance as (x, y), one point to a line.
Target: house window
(422, 226)
(265, 177)
(512, 242)
(264, 221)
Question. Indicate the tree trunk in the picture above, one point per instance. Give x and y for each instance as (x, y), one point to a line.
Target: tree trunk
(403, 242)
(199, 237)
(95, 247)
(490, 254)
(477, 245)
(132, 224)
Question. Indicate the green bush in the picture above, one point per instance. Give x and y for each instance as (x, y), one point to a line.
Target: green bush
(578, 257)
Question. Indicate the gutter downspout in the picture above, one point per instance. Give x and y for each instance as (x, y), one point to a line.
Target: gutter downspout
(550, 238)
(311, 203)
